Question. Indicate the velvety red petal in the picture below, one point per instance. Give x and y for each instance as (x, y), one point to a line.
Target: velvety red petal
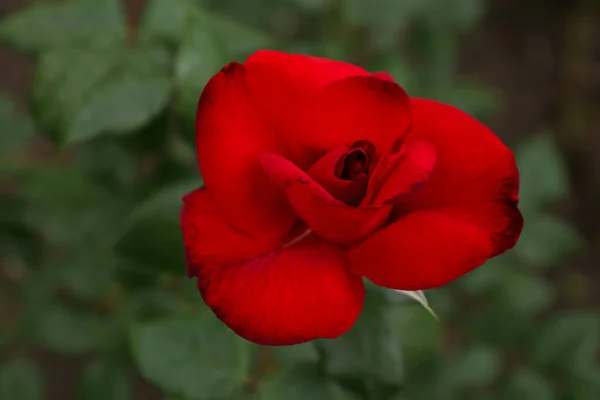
(290, 296)
(350, 110)
(329, 218)
(465, 213)
(404, 173)
(297, 74)
(324, 173)
(423, 250)
(231, 133)
(209, 239)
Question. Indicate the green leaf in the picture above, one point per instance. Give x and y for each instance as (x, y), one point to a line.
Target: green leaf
(286, 356)
(488, 277)
(527, 384)
(166, 19)
(470, 97)
(197, 358)
(102, 380)
(526, 294)
(152, 234)
(16, 130)
(90, 275)
(68, 330)
(547, 241)
(20, 379)
(568, 342)
(46, 26)
(301, 383)
(120, 107)
(544, 177)
(476, 366)
(369, 348)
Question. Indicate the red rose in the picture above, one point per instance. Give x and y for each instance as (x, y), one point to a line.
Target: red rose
(318, 173)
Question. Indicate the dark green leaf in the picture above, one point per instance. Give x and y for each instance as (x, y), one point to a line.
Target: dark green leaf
(543, 172)
(197, 358)
(45, 25)
(68, 330)
(488, 277)
(526, 294)
(547, 241)
(152, 234)
(568, 342)
(90, 275)
(302, 383)
(166, 20)
(476, 366)
(20, 379)
(527, 384)
(119, 107)
(286, 356)
(371, 346)
(103, 380)
(16, 130)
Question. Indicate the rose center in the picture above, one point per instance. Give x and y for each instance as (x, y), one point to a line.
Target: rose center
(355, 165)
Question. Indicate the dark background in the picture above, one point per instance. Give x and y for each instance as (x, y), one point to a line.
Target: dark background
(532, 73)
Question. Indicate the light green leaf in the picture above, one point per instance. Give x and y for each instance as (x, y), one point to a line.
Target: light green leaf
(120, 107)
(46, 25)
(302, 383)
(547, 241)
(369, 348)
(152, 234)
(198, 358)
(103, 380)
(543, 172)
(20, 379)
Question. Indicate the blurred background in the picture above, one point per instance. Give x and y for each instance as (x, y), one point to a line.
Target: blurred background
(97, 101)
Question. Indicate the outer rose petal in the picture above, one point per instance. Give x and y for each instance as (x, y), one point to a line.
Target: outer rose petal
(425, 249)
(294, 75)
(291, 296)
(329, 218)
(209, 239)
(465, 213)
(230, 135)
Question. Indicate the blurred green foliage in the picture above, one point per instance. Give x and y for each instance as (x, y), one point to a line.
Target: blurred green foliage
(91, 246)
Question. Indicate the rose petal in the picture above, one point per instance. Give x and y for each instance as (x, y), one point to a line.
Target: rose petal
(465, 213)
(290, 296)
(295, 75)
(324, 173)
(209, 239)
(347, 111)
(403, 173)
(423, 250)
(230, 135)
(329, 218)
